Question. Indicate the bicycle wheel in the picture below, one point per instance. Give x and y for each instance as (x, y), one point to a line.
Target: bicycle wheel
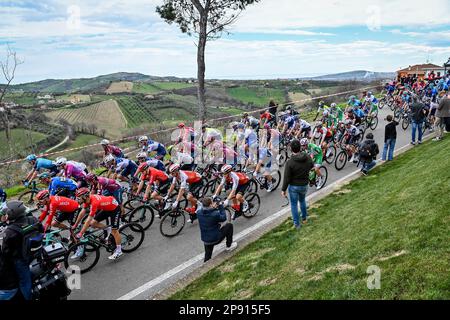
(373, 123)
(90, 254)
(28, 199)
(282, 157)
(321, 181)
(330, 155)
(143, 215)
(392, 106)
(254, 202)
(132, 235)
(405, 123)
(381, 104)
(172, 223)
(131, 204)
(276, 180)
(341, 160)
(253, 186)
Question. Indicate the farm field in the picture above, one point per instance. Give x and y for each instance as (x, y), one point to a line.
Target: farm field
(120, 87)
(298, 96)
(76, 98)
(172, 85)
(21, 98)
(105, 115)
(256, 95)
(21, 139)
(146, 88)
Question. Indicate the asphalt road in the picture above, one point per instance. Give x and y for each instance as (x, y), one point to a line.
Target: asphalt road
(158, 254)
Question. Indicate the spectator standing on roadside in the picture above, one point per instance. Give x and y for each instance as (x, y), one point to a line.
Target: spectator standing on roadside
(442, 117)
(273, 110)
(418, 115)
(296, 178)
(368, 153)
(390, 137)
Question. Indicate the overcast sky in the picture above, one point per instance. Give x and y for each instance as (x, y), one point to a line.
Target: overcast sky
(274, 38)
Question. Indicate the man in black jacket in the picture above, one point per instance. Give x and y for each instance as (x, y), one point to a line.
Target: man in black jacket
(210, 216)
(296, 178)
(14, 267)
(418, 115)
(368, 151)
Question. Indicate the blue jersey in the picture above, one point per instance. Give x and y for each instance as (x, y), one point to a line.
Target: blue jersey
(355, 103)
(2, 195)
(290, 121)
(61, 183)
(42, 163)
(155, 163)
(153, 146)
(358, 113)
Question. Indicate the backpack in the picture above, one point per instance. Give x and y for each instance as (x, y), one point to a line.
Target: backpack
(365, 152)
(32, 238)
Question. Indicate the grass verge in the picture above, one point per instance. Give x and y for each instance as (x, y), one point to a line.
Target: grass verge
(396, 219)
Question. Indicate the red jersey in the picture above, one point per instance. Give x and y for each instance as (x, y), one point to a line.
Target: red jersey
(152, 175)
(102, 203)
(57, 203)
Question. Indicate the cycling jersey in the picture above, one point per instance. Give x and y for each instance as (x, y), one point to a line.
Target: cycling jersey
(101, 203)
(105, 184)
(229, 155)
(316, 152)
(125, 167)
(152, 175)
(250, 137)
(212, 134)
(57, 203)
(265, 156)
(58, 183)
(114, 150)
(252, 122)
(186, 178)
(157, 164)
(42, 163)
(330, 120)
(235, 179)
(353, 131)
(290, 121)
(153, 146)
(72, 171)
(359, 113)
(354, 103)
(406, 98)
(182, 158)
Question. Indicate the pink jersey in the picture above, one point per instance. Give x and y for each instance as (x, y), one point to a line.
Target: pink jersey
(72, 171)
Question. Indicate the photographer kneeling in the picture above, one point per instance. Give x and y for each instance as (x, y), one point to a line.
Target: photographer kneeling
(15, 271)
(210, 214)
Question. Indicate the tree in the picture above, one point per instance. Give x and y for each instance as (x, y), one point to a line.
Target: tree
(207, 19)
(9, 71)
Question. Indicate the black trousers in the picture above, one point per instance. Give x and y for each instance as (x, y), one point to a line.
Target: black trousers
(225, 232)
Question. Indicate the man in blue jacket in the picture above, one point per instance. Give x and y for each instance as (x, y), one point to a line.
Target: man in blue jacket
(210, 216)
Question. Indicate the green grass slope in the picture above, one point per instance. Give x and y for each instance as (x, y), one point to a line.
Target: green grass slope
(397, 218)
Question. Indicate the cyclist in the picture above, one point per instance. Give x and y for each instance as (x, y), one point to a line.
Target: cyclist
(59, 185)
(123, 168)
(39, 164)
(150, 146)
(104, 186)
(326, 136)
(250, 121)
(322, 107)
(111, 149)
(358, 114)
(371, 104)
(352, 137)
(100, 208)
(266, 118)
(316, 154)
(190, 182)
(329, 119)
(157, 181)
(65, 207)
(265, 161)
(187, 134)
(239, 183)
(250, 146)
(69, 170)
(337, 112)
(209, 135)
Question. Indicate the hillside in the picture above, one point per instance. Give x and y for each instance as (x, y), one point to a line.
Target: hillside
(359, 75)
(396, 219)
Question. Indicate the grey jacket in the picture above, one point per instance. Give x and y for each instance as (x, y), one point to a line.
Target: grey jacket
(443, 111)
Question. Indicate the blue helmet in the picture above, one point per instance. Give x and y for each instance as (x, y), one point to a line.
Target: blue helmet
(31, 157)
(241, 126)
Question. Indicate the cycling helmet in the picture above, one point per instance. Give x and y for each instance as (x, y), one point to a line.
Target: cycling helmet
(241, 126)
(174, 167)
(142, 154)
(60, 161)
(369, 93)
(14, 209)
(333, 105)
(44, 175)
(304, 142)
(42, 195)
(325, 113)
(31, 157)
(319, 124)
(143, 138)
(108, 158)
(245, 115)
(348, 121)
(90, 177)
(321, 103)
(181, 125)
(82, 192)
(143, 166)
(226, 169)
(289, 108)
(104, 142)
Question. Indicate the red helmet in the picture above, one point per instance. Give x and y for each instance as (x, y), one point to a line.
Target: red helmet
(42, 195)
(181, 125)
(143, 166)
(82, 192)
(90, 177)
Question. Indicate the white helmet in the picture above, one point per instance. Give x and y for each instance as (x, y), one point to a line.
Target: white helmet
(108, 158)
(333, 105)
(143, 138)
(104, 142)
(60, 161)
(141, 155)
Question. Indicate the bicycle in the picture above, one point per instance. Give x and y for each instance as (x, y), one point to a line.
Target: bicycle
(316, 180)
(342, 156)
(132, 237)
(262, 181)
(254, 204)
(28, 196)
